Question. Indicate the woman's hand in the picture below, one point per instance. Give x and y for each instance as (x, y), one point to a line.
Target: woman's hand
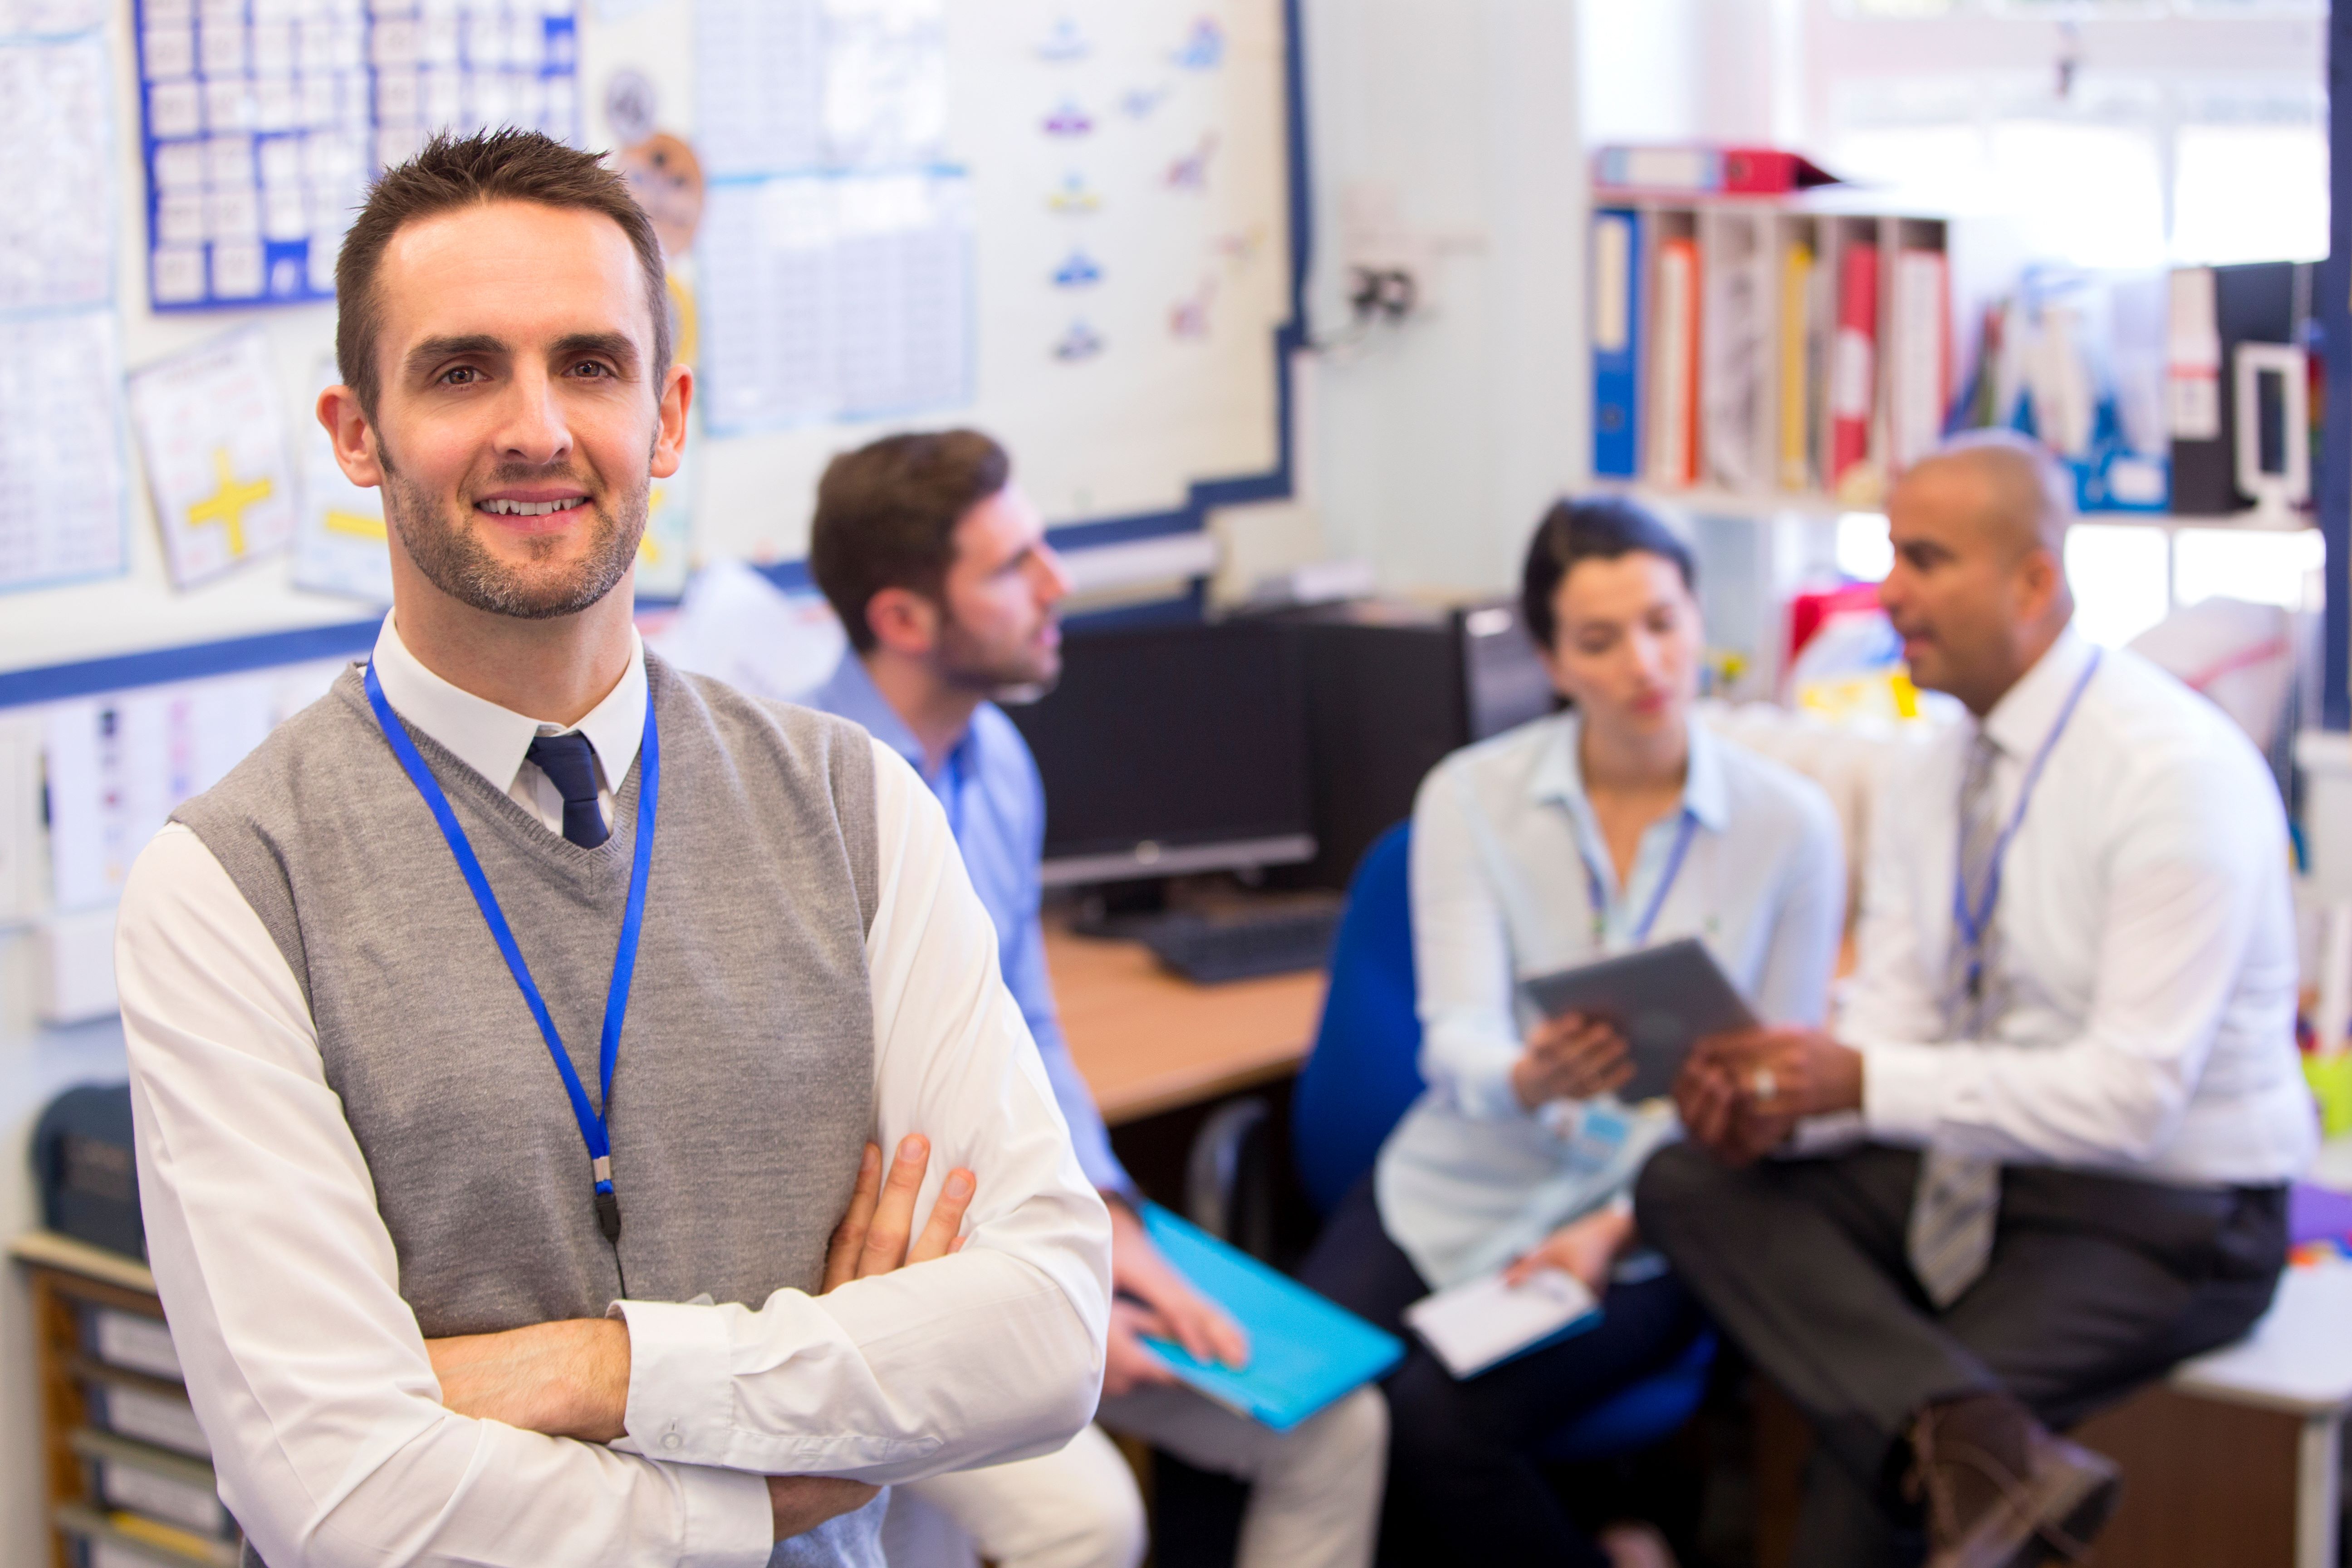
(1570, 1057)
(1588, 1248)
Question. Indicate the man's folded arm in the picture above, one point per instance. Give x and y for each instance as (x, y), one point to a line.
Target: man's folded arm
(306, 1367)
(991, 1354)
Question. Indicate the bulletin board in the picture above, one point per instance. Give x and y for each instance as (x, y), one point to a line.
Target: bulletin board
(1075, 224)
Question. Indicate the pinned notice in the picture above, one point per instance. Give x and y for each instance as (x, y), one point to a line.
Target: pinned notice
(214, 436)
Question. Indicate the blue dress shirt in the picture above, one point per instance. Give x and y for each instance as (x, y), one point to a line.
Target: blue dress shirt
(996, 808)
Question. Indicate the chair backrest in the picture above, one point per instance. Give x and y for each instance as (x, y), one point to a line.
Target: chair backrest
(1364, 1071)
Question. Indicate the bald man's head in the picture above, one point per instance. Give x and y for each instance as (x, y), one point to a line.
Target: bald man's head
(1979, 588)
(2024, 494)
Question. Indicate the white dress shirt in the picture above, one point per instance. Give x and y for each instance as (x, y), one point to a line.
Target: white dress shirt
(2143, 962)
(310, 1375)
(1503, 836)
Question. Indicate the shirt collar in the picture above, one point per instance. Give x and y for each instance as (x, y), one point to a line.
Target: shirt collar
(850, 693)
(492, 740)
(2021, 721)
(1560, 776)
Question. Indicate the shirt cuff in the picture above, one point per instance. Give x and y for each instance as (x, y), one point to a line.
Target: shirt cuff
(1906, 1092)
(681, 1381)
(1485, 1090)
(730, 1522)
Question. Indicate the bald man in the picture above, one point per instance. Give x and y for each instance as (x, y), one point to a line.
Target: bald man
(2044, 1152)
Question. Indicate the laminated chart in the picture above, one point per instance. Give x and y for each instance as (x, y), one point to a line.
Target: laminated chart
(835, 247)
(63, 489)
(215, 440)
(263, 120)
(62, 483)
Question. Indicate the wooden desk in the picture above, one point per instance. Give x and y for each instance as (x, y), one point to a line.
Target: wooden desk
(1147, 1041)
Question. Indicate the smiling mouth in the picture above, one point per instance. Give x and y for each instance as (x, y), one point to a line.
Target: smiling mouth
(530, 508)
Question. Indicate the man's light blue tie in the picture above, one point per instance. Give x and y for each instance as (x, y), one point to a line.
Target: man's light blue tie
(1958, 1200)
(570, 764)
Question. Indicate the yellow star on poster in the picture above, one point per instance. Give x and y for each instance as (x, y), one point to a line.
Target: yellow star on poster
(357, 524)
(227, 505)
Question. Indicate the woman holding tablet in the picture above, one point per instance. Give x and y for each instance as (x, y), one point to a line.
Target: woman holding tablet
(1618, 823)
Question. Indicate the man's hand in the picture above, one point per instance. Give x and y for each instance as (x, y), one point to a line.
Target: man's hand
(1741, 1094)
(570, 1379)
(566, 1379)
(1586, 1248)
(1570, 1057)
(1150, 1298)
(872, 1237)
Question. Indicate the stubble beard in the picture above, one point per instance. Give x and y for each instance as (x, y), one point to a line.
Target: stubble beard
(453, 558)
(1023, 675)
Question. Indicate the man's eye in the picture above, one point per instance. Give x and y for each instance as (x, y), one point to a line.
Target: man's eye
(458, 375)
(591, 368)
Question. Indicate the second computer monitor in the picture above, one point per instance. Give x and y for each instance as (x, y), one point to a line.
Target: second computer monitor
(1172, 749)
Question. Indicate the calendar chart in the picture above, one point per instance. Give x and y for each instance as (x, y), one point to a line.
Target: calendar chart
(263, 120)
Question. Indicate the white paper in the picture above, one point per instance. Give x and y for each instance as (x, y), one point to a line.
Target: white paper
(835, 297)
(118, 765)
(759, 85)
(62, 485)
(665, 553)
(49, 17)
(737, 626)
(214, 434)
(886, 83)
(339, 545)
(57, 226)
(1472, 1326)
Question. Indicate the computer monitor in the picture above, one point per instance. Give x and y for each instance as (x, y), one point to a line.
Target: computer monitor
(1172, 749)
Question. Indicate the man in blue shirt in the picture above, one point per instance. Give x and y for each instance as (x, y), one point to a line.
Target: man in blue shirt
(938, 568)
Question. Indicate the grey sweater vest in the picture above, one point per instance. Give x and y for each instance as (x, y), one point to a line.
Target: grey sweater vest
(743, 1093)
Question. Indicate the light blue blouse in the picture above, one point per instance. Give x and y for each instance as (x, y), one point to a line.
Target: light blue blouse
(1503, 837)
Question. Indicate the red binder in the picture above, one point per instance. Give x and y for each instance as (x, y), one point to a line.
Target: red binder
(1853, 362)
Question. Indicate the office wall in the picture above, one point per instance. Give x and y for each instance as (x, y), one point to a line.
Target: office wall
(1431, 446)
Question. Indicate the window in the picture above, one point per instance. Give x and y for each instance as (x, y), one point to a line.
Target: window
(2112, 132)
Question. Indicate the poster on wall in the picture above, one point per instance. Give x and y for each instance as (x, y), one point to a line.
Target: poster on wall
(213, 436)
(259, 133)
(63, 489)
(338, 540)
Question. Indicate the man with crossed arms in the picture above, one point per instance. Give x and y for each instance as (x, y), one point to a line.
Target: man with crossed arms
(2045, 1153)
(507, 1033)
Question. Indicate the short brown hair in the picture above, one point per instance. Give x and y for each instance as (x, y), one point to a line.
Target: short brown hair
(886, 515)
(454, 172)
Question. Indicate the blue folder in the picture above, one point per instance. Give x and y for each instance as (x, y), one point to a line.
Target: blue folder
(1616, 338)
(1305, 1353)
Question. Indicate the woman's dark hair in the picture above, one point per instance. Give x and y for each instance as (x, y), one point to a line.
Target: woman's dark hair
(1601, 530)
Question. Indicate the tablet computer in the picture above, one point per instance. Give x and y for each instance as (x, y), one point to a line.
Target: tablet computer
(1663, 999)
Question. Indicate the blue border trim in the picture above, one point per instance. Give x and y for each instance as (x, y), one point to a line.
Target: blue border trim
(54, 683)
(2334, 480)
(235, 656)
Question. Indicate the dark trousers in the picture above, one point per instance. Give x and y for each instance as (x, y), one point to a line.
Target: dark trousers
(1465, 1483)
(2096, 1283)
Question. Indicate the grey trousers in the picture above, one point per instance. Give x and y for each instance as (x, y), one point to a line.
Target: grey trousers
(2097, 1283)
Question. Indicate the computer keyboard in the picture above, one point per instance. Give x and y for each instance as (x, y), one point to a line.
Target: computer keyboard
(1210, 948)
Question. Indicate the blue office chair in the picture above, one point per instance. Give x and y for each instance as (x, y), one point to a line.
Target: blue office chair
(1363, 1075)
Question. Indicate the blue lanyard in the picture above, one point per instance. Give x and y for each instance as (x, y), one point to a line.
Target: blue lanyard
(1599, 890)
(1972, 922)
(625, 959)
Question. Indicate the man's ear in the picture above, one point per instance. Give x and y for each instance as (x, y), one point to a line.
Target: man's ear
(354, 439)
(903, 621)
(669, 432)
(2040, 577)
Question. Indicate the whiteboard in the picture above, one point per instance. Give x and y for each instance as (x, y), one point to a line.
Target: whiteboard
(1191, 234)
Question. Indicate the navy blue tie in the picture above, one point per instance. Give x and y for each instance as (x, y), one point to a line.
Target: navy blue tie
(570, 765)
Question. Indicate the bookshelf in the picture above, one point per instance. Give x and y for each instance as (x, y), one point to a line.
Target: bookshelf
(127, 1482)
(1808, 359)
